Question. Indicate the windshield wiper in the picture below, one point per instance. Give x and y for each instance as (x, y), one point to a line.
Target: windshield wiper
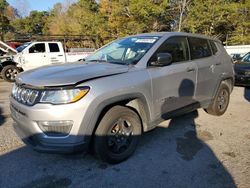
(104, 61)
(117, 62)
(98, 60)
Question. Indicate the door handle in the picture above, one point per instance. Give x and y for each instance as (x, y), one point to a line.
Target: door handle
(60, 55)
(190, 69)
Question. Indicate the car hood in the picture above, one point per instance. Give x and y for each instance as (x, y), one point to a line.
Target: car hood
(68, 74)
(242, 66)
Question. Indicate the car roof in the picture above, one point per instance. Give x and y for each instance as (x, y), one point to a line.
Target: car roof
(161, 34)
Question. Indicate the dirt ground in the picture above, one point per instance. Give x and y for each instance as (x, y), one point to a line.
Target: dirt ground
(194, 150)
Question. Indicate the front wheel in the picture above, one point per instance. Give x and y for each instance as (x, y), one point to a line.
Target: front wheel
(9, 73)
(220, 103)
(118, 134)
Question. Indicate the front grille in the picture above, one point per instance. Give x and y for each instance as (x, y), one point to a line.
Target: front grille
(243, 72)
(240, 72)
(24, 95)
(247, 73)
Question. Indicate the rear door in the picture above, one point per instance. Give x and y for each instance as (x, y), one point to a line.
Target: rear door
(56, 54)
(173, 86)
(208, 66)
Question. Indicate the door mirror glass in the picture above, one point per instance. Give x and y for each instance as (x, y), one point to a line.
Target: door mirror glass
(163, 59)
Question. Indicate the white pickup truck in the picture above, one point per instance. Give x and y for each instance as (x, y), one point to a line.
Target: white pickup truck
(36, 54)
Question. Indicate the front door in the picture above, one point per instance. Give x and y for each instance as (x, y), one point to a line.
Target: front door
(36, 56)
(173, 85)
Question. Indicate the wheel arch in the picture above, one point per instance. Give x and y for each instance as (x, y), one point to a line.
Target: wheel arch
(5, 63)
(214, 106)
(137, 102)
(228, 80)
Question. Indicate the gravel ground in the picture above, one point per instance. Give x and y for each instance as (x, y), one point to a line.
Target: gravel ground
(194, 150)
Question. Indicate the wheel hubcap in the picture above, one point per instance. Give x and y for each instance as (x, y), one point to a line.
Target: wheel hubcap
(222, 100)
(120, 136)
(11, 74)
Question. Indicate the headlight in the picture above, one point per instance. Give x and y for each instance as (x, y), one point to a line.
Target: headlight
(63, 96)
(24, 95)
(247, 73)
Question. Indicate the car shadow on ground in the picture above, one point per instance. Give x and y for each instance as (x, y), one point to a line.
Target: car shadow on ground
(172, 155)
(247, 93)
(2, 117)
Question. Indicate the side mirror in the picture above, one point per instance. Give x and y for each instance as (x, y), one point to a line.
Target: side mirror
(83, 59)
(163, 59)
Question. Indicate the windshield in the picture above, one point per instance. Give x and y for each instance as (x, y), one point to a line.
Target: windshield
(246, 58)
(125, 51)
(22, 47)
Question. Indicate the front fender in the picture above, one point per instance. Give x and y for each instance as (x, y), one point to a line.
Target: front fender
(95, 111)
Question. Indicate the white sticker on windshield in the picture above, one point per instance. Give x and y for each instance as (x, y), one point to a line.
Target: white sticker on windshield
(145, 40)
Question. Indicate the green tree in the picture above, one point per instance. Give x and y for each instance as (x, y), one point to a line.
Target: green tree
(3, 5)
(240, 34)
(4, 21)
(32, 24)
(211, 17)
(135, 16)
(104, 20)
(81, 18)
(220, 18)
(87, 21)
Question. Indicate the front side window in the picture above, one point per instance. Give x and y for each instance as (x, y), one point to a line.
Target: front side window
(199, 48)
(176, 46)
(125, 51)
(37, 48)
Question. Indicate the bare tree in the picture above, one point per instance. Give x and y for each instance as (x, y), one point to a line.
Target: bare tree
(67, 3)
(180, 7)
(23, 7)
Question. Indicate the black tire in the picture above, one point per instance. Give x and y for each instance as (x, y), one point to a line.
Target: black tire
(9, 73)
(117, 134)
(221, 101)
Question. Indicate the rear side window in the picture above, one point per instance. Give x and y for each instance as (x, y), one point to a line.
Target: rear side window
(199, 48)
(53, 47)
(176, 46)
(214, 47)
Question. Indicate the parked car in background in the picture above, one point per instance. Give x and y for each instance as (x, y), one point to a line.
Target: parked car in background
(6, 54)
(245, 58)
(122, 90)
(14, 44)
(36, 54)
(237, 51)
(236, 57)
(242, 71)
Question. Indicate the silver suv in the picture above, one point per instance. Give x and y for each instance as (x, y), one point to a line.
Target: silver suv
(122, 90)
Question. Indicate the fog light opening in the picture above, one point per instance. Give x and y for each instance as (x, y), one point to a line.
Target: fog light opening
(56, 128)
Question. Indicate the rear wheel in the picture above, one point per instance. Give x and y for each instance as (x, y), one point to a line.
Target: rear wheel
(9, 73)
(117, 135)
(220, 103)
